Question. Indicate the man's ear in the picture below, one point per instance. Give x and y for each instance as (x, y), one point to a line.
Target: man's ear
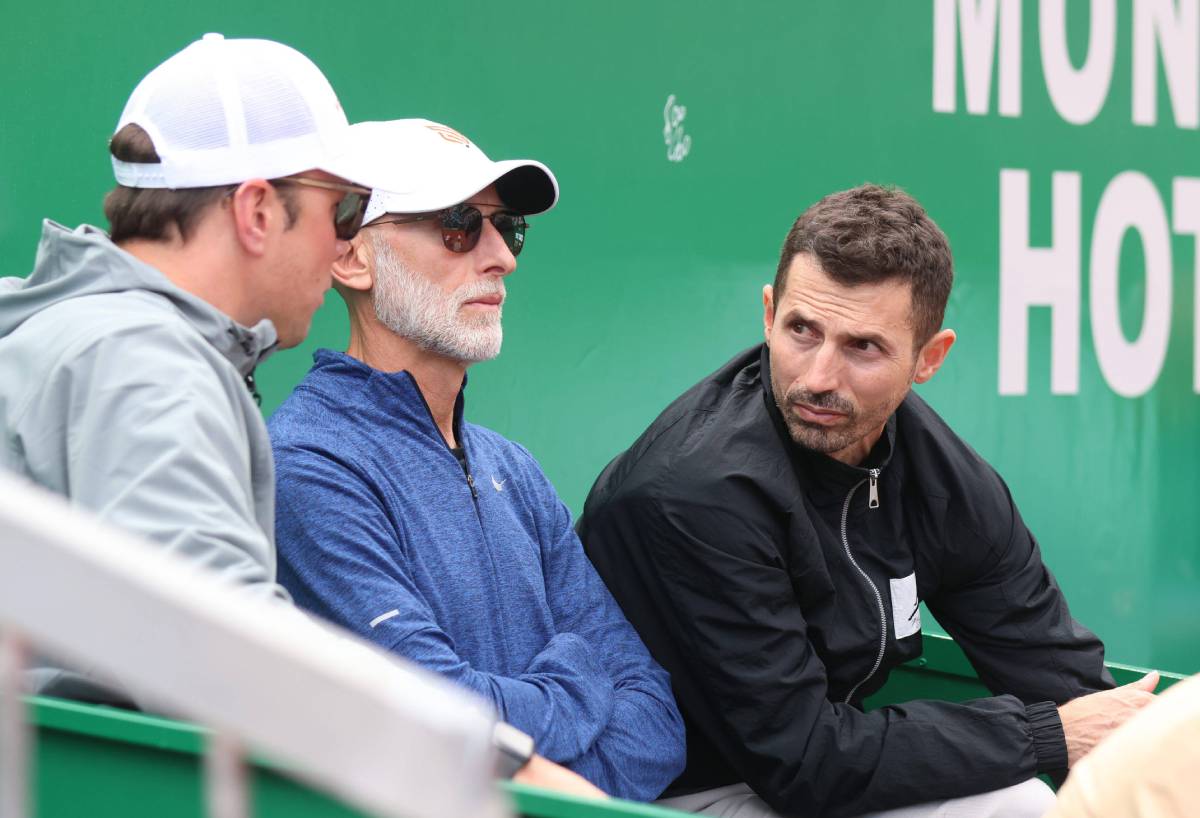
(355, 269)
(933, 355)
(768, 311)
(254, 208)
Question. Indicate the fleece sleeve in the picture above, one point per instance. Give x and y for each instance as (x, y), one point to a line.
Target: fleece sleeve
(341, 554)
(641, 750)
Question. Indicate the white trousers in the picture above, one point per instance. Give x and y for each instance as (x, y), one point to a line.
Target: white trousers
(1030, 799)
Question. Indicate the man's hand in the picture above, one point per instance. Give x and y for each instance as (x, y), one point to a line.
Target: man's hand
(541, 772)
(1087, 720)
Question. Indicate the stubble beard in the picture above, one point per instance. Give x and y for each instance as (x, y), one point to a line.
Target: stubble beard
(856, 425)
(812, 436)
(414, 308)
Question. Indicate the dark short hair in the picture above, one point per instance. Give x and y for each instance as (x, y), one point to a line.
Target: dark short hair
(150, 213)
(871, 234)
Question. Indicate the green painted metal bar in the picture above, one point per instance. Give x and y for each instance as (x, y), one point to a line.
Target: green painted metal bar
(533, 802)
(100, 761)
(943, 672)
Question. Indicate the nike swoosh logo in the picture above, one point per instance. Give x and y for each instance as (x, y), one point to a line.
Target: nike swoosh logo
(498, 486)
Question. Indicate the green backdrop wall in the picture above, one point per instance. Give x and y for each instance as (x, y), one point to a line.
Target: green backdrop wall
(688, 136)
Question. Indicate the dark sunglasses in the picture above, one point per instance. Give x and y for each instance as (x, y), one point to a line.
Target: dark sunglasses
(348, 217)
(462, 225)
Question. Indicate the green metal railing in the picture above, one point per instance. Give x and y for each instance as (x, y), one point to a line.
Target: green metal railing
(103, 762)
(100, 762)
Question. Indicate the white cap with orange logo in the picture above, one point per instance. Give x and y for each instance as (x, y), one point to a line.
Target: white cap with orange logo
(440, 167)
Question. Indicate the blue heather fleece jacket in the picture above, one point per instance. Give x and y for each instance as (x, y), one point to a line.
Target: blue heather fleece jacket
(380, 531)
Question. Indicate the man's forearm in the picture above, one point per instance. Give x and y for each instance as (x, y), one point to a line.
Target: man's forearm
(564, 699)
(640, 752)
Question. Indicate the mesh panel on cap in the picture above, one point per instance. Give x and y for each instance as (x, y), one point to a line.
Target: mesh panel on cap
(224, 110)
(186, 109)
(274, 107)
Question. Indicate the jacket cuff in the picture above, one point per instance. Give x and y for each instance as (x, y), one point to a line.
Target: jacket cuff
(1049, 741)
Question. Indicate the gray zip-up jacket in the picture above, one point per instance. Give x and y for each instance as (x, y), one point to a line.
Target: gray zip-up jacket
(128, 395)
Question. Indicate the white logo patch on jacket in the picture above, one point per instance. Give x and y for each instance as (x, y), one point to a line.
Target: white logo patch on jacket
(906, 613)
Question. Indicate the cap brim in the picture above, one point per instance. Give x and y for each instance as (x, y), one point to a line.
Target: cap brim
(525, 185)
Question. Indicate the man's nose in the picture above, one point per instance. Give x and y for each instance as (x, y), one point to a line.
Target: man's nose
(824, 370)
(499, 260)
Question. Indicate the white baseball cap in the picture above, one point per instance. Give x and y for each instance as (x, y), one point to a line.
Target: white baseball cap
(224, 111)
(438, 167)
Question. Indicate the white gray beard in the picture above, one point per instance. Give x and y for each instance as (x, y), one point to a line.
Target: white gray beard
(414, 308)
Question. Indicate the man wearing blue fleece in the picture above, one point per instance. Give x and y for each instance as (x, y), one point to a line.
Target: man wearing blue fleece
(436, 538)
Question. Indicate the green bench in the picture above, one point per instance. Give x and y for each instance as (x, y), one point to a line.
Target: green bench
(101, 762)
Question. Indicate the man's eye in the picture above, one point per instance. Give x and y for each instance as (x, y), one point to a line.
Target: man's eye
(863, 345)
(800, 329)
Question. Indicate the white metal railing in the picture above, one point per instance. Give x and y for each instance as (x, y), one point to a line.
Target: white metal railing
(16, 767)
(381, 734)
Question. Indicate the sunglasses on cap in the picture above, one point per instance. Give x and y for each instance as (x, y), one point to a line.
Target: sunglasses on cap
(348, 217)
(462, 225)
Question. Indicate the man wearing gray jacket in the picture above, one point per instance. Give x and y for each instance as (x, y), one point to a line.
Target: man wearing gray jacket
(126, 363)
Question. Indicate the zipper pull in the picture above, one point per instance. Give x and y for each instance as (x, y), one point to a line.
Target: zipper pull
(253, 387)
(471, 485)
(873, 500)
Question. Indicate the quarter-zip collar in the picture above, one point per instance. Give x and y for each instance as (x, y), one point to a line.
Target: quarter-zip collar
(393, 393)
(824, 479)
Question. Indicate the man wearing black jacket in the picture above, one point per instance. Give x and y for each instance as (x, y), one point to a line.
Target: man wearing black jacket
(774, 530)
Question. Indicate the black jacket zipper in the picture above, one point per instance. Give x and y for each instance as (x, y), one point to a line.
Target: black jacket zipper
(872, 502)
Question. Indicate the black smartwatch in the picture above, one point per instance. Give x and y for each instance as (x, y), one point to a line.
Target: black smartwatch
(515, 749)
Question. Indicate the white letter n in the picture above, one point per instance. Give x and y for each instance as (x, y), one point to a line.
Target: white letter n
(1174, 30)
(1039, 277)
